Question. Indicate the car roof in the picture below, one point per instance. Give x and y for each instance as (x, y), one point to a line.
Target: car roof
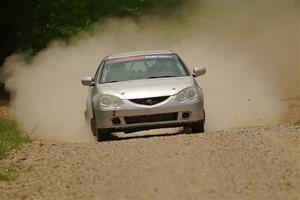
(139, 53)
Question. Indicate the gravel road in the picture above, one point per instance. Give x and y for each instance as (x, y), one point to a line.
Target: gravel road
(241, 163)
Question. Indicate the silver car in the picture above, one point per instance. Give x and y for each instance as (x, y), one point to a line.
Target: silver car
(143, 90)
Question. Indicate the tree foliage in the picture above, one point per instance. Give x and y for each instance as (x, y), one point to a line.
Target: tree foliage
(29, 25)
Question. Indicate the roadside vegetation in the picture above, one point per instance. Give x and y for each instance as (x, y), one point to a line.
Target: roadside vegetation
(10, 138)
(28, 26)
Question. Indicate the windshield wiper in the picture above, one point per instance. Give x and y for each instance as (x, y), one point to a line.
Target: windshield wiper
(160, 77)
(111, 81)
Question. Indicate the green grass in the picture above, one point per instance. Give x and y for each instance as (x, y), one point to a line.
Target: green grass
(8, 174)
(5, 177)
(10, 138)
(11, 172)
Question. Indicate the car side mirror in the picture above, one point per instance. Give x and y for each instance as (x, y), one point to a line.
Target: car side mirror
(88, 81)
(199, 71)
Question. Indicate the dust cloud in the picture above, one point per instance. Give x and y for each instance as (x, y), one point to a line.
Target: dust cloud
(250, 50)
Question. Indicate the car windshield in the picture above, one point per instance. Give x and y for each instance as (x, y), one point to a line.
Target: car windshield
(142, 67)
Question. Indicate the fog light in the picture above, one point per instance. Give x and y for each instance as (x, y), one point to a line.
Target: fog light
(116, 120)
(185, 115)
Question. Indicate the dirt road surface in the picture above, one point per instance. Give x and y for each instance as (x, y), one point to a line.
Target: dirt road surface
(259, 162)
(241, 163)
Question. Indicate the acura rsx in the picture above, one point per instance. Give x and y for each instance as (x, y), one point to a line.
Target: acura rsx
(143, 90)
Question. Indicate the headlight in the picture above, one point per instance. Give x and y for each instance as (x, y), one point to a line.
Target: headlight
(110, 100)
(187, 93)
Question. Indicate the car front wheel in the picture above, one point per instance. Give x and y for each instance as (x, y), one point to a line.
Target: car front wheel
(198, 127)
(103, 135)
(93, 127)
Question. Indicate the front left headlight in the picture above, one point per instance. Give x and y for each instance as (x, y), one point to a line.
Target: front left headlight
(187, 93)
(109, 100)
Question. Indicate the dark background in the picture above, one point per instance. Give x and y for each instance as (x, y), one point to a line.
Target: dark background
(27, 26)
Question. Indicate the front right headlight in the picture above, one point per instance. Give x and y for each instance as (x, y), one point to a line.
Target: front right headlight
(187, 93)
(106, 100)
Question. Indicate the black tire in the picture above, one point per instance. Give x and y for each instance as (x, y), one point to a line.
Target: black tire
(198, 127)
(103, 135)
(93, 127)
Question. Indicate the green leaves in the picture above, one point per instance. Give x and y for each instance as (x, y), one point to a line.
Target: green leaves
(37, 22)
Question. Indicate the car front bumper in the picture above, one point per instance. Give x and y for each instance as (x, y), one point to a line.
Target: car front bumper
(134, 117)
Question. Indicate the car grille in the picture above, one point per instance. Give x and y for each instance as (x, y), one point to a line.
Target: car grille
(150, 101)
(151, 118)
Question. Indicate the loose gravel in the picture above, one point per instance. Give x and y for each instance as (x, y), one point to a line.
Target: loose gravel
(241, 163)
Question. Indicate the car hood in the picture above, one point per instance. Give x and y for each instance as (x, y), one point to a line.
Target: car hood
(146, 88)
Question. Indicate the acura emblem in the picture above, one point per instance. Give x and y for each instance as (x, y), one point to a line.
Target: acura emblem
(149, 101)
